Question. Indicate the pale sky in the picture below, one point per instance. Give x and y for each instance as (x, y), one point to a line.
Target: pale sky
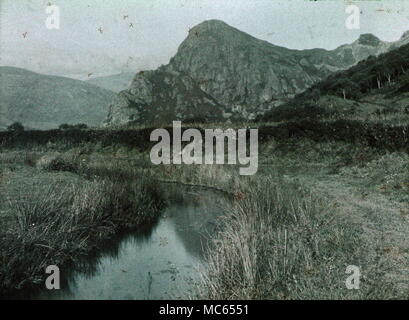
(159, 26)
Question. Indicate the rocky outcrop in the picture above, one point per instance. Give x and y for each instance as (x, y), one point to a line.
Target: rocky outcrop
(157, 96)
(245, 75)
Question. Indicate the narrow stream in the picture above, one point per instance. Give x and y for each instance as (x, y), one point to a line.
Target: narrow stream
(160, 263)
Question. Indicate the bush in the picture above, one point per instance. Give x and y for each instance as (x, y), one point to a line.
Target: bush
(15, 127)
(64, 126)
(297, 112)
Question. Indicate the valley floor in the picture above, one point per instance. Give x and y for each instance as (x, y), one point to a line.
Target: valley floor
(289, 233)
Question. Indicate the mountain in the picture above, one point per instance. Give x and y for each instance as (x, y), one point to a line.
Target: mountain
(246, 75)
(115, 83)
(44, 102)
(375, 88)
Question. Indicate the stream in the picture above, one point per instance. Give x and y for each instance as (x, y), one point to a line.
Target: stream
(162, 262)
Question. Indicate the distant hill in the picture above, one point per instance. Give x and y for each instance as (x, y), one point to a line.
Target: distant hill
(245, 75)
(44, 102)
(115, 83)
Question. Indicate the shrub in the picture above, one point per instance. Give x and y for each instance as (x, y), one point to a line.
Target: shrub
(297, 112)
(64, 126)
(15, 127)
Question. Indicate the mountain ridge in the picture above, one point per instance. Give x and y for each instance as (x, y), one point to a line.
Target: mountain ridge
(246, 75)
(115, 82)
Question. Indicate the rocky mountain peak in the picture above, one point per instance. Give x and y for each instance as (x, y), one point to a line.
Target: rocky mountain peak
(212, 25)
(369, 39)
(216, 32)
(221, 66)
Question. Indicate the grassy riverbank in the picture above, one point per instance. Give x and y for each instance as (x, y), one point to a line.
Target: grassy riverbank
(57, 208)
(281, 241)
(312, 210)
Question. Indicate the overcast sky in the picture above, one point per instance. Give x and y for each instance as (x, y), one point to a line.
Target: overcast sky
(159, 26)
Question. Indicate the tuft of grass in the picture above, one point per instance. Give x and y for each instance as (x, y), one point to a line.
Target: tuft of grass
(56, 163)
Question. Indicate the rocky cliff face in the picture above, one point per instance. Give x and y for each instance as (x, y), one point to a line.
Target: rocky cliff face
(245, 75)
(44, 102)
(157, 96)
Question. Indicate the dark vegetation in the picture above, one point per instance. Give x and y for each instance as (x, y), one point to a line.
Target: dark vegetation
(80, 126)
(302, 111)
(65, 139)
(387, 137)
(377, 135)
(389, 71)
(15, 127)
(387, 74)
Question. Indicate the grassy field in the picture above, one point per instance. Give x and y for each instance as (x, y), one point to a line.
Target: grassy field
(322, 199)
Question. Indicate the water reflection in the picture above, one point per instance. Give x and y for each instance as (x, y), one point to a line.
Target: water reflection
(159, 262)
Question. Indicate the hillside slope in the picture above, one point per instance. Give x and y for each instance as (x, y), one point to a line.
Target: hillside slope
(115, 83)
(44, 102)
(377, 86)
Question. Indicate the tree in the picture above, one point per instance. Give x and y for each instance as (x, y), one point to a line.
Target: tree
(81, 126)
(15, 127)
(345, 88)
(64, 126)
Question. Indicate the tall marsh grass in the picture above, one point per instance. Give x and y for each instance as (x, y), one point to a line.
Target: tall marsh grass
(56, 225)
(279, 241)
